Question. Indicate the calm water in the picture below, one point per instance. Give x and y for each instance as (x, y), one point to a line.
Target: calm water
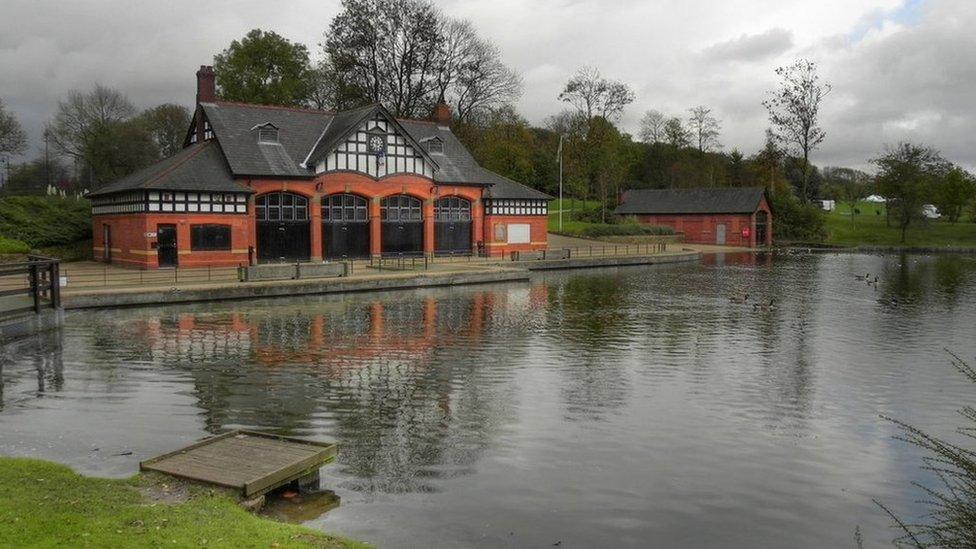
(627, 407)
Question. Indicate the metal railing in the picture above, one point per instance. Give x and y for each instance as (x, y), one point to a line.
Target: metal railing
(30, 286)
(99, 276)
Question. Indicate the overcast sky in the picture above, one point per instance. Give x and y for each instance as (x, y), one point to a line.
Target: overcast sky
(901, 69)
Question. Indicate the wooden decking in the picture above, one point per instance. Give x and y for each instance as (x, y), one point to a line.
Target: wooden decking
(253, 463)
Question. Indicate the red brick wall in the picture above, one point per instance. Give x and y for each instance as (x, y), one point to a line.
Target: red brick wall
(701, 229)
(538, 233)
(131, 247)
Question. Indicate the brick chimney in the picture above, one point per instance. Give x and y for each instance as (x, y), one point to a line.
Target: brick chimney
(442, 113)
(206, 90)
(206, 93)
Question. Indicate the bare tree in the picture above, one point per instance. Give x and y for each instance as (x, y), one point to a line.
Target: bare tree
(675, 133)
(13, 140)
(793, 111)
(472, 76)
(593, 95)
(652, 127)
(704, 129)
(81, 116)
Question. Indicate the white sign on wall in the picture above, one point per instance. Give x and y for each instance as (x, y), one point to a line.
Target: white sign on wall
(518, 233)
(150, 235)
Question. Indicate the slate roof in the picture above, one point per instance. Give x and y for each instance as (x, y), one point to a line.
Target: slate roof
(503, 187)
(298, 129)
(714, 200)
(303, 134)
(199, 167)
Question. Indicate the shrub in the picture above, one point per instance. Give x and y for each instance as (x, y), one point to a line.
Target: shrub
(625, 229)
(45, 220)
(795, 221)
(11, 246)
(951, 518)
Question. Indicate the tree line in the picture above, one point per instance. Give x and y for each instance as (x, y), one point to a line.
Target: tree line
(408, 55)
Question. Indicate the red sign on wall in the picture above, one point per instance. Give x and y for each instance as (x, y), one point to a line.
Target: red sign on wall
(745, 232)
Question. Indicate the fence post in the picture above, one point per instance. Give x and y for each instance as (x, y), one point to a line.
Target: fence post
(35, 291)
(56, 285)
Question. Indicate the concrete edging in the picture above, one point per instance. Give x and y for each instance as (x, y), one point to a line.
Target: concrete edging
(596, 262)
(292, 288)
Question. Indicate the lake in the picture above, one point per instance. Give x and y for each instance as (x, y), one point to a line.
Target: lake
(622, 407)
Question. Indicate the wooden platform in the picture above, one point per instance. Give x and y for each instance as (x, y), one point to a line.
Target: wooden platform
(251, 462)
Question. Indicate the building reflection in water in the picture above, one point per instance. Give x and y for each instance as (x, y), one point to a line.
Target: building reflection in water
(405, 383)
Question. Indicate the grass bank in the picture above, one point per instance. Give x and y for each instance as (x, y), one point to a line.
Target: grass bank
(583, 221)
(869, 229)
(45, 504)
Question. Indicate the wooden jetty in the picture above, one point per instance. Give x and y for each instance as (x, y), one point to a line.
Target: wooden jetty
(250, 462)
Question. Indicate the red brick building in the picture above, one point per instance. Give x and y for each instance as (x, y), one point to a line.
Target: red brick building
(738, 216)
(259, 183)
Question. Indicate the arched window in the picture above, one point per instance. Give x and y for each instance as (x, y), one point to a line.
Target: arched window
(401, 208)
(344, 208)
(452, 208)
(281, 207)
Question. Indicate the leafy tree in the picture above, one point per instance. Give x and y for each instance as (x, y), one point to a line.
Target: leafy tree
(704, 129)
(907, 175)
(954, 191)
(675, 133)
(119, 149)
(265, 68)
(387, 51)
(593, 95)
(793, 111)
(33, 178)
(13, 140)
(847, 186)
(768, 165)
(736, 168)
(652, 127)
(505, 145)
(167, 125)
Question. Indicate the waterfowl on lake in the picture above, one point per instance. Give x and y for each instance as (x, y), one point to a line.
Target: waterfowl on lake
(744, 298)
(764, 306)
(873, 282)
(862, 277)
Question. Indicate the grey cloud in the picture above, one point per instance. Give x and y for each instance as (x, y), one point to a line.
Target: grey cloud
(751, 47)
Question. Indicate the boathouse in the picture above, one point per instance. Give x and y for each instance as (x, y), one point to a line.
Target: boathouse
(734, 216)
(259, 183)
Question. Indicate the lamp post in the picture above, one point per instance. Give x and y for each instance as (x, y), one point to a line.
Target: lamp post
(559, 153)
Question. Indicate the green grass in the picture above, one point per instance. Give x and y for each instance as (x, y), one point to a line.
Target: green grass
(43, 504)
(11, 246)
(869, 229)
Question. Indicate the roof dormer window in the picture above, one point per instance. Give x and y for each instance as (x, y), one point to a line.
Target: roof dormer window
(434, 145)
(267, 133)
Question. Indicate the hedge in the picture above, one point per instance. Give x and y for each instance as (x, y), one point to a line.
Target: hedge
(45, 220)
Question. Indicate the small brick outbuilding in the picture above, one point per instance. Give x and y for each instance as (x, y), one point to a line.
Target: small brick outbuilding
(733, 216)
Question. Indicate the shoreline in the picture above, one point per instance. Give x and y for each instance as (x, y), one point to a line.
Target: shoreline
(484, 274)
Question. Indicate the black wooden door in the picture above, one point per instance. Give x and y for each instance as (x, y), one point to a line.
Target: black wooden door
(403, 225)
(403, 238)
(282, 241)
(452, 237)
(166, 246)
(345, 239)
(107, 243)
(761, 228)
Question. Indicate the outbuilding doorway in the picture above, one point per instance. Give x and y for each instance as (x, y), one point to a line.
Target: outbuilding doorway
(167, 251)
(282, 227)
(403, 225)
(345, 226)
(452, 225)
(762, 227)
